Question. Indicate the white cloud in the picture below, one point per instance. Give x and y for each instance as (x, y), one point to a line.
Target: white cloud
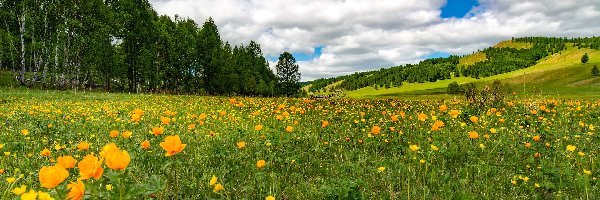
(361, 35)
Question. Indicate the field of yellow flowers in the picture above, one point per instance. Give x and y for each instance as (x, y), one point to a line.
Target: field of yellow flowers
(59, 145)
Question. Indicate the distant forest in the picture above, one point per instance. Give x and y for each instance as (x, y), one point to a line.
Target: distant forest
(498, 61)
(124, 45)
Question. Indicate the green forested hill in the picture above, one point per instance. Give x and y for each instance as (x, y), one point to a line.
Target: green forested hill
(507, 60)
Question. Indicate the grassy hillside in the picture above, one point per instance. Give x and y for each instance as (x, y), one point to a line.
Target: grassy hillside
(559, 73)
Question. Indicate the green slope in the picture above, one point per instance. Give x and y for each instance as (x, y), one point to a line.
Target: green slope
(557, 73)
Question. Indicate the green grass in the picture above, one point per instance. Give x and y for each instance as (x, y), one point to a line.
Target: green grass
(562, 72)
(472, 59)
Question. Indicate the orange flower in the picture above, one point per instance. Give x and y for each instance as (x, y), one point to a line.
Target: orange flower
(536, 155)
(165, 120)
(114, 133)
(45, 153)
(474, 119)
(258, 127)
(145, 144)
(218, 187)
(108, 149)
(324, 124)
(536, 138)
(126, 134)
(437, 125)
(158, 130)
(422, 117)
(534, 112)
(527, 144)
(289, 129)
(260, 164)
(136, 117)
(241, 144)
(454, 113)
(82, 146)
(138, 111)
(76, 190)
(67, 162)
(50, 177)
(202, 117)
(376, 130)
(443, 108)
(473, 135)
(117, 159)
(394, 118)
(90, 167)
(172, 145)
(25, 132)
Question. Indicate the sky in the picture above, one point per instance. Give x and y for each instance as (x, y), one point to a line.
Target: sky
(331, 38)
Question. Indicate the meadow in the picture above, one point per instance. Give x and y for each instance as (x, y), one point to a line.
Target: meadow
(119, 146)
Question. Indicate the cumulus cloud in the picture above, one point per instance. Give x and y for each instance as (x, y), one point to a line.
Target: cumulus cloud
(362, 35)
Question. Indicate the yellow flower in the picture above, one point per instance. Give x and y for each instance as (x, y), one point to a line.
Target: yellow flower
(241, 144)
(19, 190)
(324, 124)
(587, 172)
(422, 117)
(435, 148)
(289, 129)
(109, 187)
(536, 185)
(113, 133)
(213, 180)
(581, 154)
(31, 195)
(381, 169)
(414, 147)
(493, 130)
(261, 164)
(473, 135)
(422, 161)
(25, 132)
(45, 153)
(44, 196)
(126, 134)
(10, 180)
(571, 148)
(474, 119)
(376, 130)
(270, 198)
(258, 127)
(514, 182)
(82, 146)
(218, 187)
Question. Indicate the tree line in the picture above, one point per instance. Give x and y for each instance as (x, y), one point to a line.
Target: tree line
(498, 61)
(124, 45)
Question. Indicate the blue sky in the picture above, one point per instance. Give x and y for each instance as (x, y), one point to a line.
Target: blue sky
(333, 38)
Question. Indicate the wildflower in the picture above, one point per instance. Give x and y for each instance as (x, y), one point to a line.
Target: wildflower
(536, 185)
(45, 153)
(19, 190)
(136, 117)
(381, 169)
(165, 120)
(90, 167)
(117, 159)
(587, 172)
(10, 180)
(270, 198)
(581, 153)
(114, 133)
(67, 162)
(414, 147)
(474, 119)
(454, 113)
(82, 146)
(260, 164)
(394, 118)
(571, 148)
(218, 187)
(25, 132)
(493, 130)
(109, 187)
(213, 180)
(44, 196)
(172, 145)
(31, 195)
(50, 177)
(435, 148)
(108, 149)
(536, 138)
(376, 130)
(324, 124)
(289, 129)
(473, 135)
(158, 130)
(126, 134)
(258, 127)
(241, 144)
(145, 144)
(437, 125)
(422, 161)
(443, 108)
(422, 117)
(482, 146)
(76, 190)
(527, 145)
